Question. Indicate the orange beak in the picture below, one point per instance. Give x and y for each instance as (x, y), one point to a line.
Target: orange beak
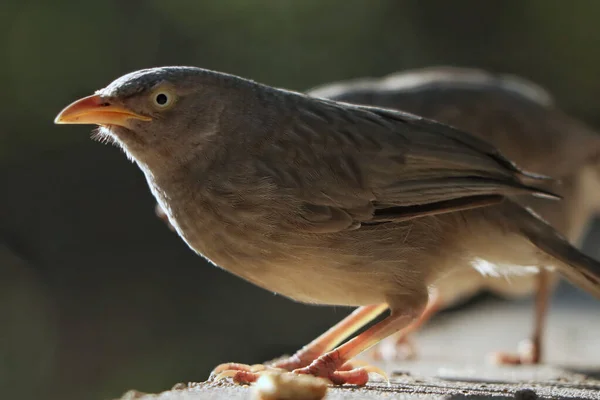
(93, 110)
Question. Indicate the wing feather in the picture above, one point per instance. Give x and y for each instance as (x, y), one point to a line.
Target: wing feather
(393, 165)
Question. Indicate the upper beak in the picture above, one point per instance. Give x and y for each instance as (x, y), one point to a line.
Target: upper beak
(94, 110)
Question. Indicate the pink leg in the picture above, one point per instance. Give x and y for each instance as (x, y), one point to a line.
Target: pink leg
(303, 357)
(402, 340)
(329, 365)
(530, 351)
(334, 336)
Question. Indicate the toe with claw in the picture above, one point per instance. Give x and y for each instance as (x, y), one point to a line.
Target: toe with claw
(241, 373)
(528, 353)
(332, 367)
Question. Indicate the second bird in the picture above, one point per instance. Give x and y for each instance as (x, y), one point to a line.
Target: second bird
(523, 121)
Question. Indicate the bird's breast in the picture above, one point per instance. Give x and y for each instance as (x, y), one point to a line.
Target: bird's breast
(306, 268)
(249, 235)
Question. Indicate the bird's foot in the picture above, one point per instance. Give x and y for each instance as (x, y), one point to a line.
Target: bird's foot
(403, 348)
(527, 353)
(241, 373)
(332, 367)
(246, 374)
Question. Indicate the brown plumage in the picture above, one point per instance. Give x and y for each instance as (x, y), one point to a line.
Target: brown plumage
(522, 120)
(325, 202)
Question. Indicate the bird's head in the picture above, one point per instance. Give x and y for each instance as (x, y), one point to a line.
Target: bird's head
(163, 114)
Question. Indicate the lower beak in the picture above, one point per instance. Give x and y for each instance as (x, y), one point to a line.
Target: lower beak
(94, 110)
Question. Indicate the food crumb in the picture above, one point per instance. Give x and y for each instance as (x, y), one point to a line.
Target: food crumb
(288, 386)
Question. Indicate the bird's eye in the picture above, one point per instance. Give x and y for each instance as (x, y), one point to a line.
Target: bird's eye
(162, 100)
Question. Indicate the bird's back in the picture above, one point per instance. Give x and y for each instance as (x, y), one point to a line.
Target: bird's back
(515, 115)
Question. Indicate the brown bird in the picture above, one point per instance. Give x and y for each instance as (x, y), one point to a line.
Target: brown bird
(522, 120)
(325, 202)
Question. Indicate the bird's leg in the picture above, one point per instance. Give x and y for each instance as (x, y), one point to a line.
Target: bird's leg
(334, 336)
(402, 343)
(530, 351)
(330, 364)
(542, 301)
(303, 357)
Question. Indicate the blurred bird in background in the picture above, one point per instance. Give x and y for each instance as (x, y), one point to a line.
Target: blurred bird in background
(524, 122)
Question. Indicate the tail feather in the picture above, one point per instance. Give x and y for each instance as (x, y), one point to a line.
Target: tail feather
(576, 267)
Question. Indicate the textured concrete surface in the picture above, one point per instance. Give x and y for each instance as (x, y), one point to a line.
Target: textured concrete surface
(429, 381)
(453, 350)
(554, 384)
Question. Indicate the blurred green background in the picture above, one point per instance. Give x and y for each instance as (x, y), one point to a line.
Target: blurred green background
(96, 295)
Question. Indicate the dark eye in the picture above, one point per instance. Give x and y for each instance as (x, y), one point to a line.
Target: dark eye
(163, 99)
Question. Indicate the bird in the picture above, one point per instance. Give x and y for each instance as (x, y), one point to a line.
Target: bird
(325, 202)
(524, 122)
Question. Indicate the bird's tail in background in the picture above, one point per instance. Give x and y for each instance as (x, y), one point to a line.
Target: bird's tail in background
(576, 267)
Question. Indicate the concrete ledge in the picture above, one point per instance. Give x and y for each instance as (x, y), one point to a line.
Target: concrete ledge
(453, 351)
(524, 383)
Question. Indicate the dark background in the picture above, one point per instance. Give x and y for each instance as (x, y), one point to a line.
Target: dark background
(97, 296)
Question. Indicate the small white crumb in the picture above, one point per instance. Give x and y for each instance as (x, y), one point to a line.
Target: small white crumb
(288, 386)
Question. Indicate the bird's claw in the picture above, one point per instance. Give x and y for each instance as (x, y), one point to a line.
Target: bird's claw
(371, 369)
(527, 354)
(346, 374)
(352, 372)
(241, 373)
(356, 376)
(235, 367)
(239, 376)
